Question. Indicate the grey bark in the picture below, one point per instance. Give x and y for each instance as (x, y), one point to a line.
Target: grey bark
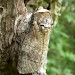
(7, 21)
(24, 39)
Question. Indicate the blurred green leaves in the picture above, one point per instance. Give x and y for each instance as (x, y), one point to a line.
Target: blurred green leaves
(61, 55)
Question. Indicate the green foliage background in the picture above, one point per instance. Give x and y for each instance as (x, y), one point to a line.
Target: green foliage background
(61, 55)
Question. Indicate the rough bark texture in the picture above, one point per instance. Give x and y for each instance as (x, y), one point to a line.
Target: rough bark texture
(24, 39)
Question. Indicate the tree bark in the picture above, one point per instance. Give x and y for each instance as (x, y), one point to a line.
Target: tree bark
(7, 21)
(24, 38)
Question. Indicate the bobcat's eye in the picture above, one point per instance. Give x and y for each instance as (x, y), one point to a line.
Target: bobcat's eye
(47, 23)
(41, 25)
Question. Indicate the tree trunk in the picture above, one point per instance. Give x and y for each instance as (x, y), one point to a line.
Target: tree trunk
(24, 38)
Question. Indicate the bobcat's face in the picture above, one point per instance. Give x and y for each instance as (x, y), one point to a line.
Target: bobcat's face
(42, 21)
(45, 20)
